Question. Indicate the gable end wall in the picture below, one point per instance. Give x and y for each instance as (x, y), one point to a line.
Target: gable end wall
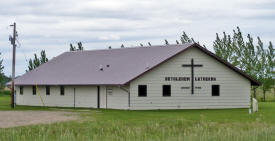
(234, 88)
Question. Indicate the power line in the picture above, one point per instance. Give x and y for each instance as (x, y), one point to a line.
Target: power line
(20, 47)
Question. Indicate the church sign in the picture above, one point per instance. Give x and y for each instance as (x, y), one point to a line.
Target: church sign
(192, 79)
(188, 78)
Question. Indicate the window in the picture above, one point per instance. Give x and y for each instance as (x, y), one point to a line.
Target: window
(62, 91)
(48, 90)
(21, 90)
(215, 90)
(142, 90)
(33, 90)
(166, 90)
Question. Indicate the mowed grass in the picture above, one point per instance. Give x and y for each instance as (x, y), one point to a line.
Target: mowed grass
(157, 125)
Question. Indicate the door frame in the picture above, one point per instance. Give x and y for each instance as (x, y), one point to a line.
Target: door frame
(98, 97)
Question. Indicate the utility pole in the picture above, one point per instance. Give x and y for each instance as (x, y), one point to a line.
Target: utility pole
(13, 39)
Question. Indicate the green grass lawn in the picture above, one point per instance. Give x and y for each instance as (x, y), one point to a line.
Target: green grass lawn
(159, 125)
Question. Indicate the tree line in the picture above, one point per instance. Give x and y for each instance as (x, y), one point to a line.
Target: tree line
(255, 59)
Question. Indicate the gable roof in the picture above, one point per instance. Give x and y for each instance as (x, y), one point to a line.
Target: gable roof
(107, 67)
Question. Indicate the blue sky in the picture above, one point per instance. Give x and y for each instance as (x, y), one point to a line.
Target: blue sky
(52, 25)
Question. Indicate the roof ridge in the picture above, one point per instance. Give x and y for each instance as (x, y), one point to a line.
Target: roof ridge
(135, 47)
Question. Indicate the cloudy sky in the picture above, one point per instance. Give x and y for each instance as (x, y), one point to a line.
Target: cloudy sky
(52, 25)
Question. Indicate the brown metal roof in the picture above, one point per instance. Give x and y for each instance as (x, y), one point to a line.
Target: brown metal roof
(107, 67)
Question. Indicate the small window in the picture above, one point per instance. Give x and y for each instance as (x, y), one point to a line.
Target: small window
(21, 90)
(166, 90)
(142, 90)
(48, 90)
(33, 90)
(215, 90)
(62, 91)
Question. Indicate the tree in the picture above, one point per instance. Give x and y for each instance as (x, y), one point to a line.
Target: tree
(149, 44)
(79, 47)
(31, 66)
(43, 57)
(72, 48)
(122, 46)
(36, 62)
(2, 76)
(186, 39)
(6, 79)
(141, 44)
(177, 42)
(271, 64)
(265, 66)
(166, 42)
(256, 61)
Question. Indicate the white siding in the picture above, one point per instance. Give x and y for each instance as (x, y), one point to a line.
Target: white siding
(234, 89)
(85, 96)
(116, 97)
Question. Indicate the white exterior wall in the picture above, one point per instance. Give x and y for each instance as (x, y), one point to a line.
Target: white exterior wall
(234, 88)
(85, 96)
(117, 98)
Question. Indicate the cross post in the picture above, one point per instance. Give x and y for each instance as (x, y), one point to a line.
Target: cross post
(192, 65)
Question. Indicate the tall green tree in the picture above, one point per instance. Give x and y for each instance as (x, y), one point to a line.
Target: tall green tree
(37, 61)
(271, 64)
(31, 66)
(2, 76)
(78, 48)
(43, 57)
(265, 66)
(252, 58)
(224, 48)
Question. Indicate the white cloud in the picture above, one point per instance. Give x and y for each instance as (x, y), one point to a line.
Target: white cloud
(52, 25)
(109, 37)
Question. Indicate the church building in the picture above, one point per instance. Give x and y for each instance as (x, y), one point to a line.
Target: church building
(185, 76)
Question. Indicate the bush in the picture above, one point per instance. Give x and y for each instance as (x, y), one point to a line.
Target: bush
(5, 92)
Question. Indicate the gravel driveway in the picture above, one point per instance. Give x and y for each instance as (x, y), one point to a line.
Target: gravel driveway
(22, 118)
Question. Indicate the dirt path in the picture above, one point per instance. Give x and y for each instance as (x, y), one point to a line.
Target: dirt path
(22, 118)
